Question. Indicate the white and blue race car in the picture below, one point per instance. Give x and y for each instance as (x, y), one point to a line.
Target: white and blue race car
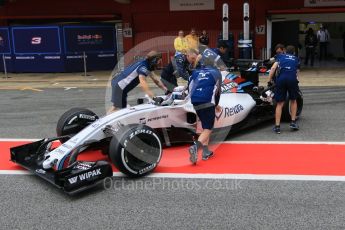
(134, 137)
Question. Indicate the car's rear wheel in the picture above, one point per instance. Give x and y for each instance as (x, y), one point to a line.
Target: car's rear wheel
(135, 150)
(74, 120)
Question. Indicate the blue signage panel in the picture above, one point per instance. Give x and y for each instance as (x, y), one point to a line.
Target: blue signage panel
(37, 63)
(94, 61)
(89, 39)
(36, 40)
(5, 47)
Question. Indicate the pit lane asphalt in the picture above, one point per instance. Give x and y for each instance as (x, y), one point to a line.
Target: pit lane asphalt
(30, 203)
(31, 114)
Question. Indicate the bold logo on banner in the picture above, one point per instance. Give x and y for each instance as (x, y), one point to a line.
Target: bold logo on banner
(36, 40)
(94, 39)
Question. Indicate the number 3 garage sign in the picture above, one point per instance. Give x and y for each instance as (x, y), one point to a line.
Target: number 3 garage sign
(36, 40)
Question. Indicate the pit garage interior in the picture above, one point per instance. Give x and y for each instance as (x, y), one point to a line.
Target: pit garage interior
(136, 21)
(289, 27)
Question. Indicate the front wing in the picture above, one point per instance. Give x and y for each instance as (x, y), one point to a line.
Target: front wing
(77, 177)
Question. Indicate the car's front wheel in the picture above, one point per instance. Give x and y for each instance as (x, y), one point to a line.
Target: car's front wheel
(135, 150)
(74, 120)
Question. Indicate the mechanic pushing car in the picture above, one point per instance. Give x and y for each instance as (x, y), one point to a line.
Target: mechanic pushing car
(132, 76)
(213, 55)
(205, 90)
(218, 54)
(180, 66)
(286, 82)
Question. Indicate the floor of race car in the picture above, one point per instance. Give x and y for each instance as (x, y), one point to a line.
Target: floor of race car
(255, 158)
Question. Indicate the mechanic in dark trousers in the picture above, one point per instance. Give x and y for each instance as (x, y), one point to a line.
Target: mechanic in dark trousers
(205, 89)
(310, 42)
(180, 66)
(132, 76)
(286, 81)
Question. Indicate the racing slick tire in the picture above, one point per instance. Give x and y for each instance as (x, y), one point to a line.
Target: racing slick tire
(135, 150)
(73, 121)
(286, 113)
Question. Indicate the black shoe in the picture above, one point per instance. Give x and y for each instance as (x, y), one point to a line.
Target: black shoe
(206, 153)
(276, 129)
(294, 126)
(193, 153)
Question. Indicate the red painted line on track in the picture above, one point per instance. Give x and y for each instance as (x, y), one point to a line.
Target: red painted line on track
(281, 159)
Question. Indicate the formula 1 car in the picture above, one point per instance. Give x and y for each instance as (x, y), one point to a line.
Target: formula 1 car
(134, 137)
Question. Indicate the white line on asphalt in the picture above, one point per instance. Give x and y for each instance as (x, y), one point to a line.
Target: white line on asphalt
(231, 142)
(14, 172)
(216, 176)
(250, 177)
(17, 139)
(30, 88)
(68, 88)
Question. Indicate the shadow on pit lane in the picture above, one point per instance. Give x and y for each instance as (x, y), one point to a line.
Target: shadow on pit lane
(256, 128)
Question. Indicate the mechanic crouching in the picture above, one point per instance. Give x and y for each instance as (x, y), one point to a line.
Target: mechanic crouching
(181, 66)
(132, 76)
(286, 82)
(205, 89)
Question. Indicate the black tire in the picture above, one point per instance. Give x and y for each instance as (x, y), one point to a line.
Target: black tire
(135, 150)
(74, 120)
(286, 108)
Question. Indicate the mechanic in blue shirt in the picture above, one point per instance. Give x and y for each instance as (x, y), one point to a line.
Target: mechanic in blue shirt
(286, 82)
(205, 89)
(217, 54)
(132, 76)
(180, 66)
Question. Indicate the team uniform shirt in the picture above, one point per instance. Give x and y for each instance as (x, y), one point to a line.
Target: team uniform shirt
(287, 64)
(178, 67)
(129, 78)
(204, 91)
(286, 80)
(126, 81)
(205, 86)
(212, 55)
(216, 50)
(181, 66)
